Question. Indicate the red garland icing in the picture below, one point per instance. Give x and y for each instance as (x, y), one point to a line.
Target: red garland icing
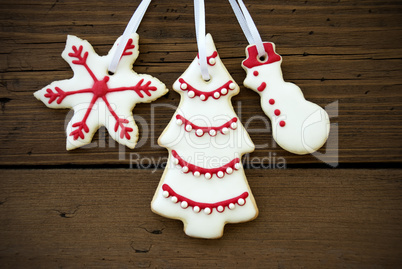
(252, 56)
(202, 206)
(212, 171)
(206, 129)
(99, 89)
(213, 56)
(216, 94)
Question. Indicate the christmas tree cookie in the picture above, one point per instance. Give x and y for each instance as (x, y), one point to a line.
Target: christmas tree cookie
(204, 184)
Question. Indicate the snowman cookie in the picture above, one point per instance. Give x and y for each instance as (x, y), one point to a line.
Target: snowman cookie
(298, 126)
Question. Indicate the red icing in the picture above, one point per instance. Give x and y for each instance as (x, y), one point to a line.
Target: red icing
(277, 112)
(129, 46)
(253, 60)
(193, 168)
(99, 89)
(60, 94)
(262, 87)
(81, 60)
(138, 88)
(207, 94)
(214, 54)
(252, 56)
(82, 125)
(191, 203)
(119, 121)
(206, 129)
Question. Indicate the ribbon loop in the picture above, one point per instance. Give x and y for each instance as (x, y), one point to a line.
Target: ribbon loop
(248, 26)
(132, 27)
(199, 17)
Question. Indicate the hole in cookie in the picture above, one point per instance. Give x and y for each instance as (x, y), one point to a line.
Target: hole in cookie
(110, 73)
(263, 58)
(207, 80)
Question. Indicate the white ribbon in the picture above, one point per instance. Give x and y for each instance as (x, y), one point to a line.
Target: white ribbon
(131, 28)
(199, 17)
(248, 26)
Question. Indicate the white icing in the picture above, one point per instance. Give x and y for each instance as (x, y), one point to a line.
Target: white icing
(207, 210)
(306, 124)
(191, 94)
(184, 204)
(122, 102)
(184, 169)
(199, 132)
(212, 132)
(206, 152)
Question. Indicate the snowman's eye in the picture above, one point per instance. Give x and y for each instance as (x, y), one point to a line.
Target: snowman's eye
(255, 73)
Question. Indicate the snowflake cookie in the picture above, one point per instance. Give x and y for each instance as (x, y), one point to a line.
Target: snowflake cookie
(98, 98)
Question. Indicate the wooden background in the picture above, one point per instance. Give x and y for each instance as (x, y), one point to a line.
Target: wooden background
(339, 208)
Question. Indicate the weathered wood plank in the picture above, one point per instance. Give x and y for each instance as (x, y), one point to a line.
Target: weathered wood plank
(102, 218)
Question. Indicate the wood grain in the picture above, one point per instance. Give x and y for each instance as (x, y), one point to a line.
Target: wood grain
(86, 208)
(314, 218)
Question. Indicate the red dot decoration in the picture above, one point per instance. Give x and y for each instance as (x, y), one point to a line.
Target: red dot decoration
(255, 73)
(277, 112)
(271, 101)
(282, 123)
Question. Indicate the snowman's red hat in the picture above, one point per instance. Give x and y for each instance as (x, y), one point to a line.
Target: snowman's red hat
(253, 60)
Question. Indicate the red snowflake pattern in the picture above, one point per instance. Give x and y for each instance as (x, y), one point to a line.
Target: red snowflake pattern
(99, 90)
